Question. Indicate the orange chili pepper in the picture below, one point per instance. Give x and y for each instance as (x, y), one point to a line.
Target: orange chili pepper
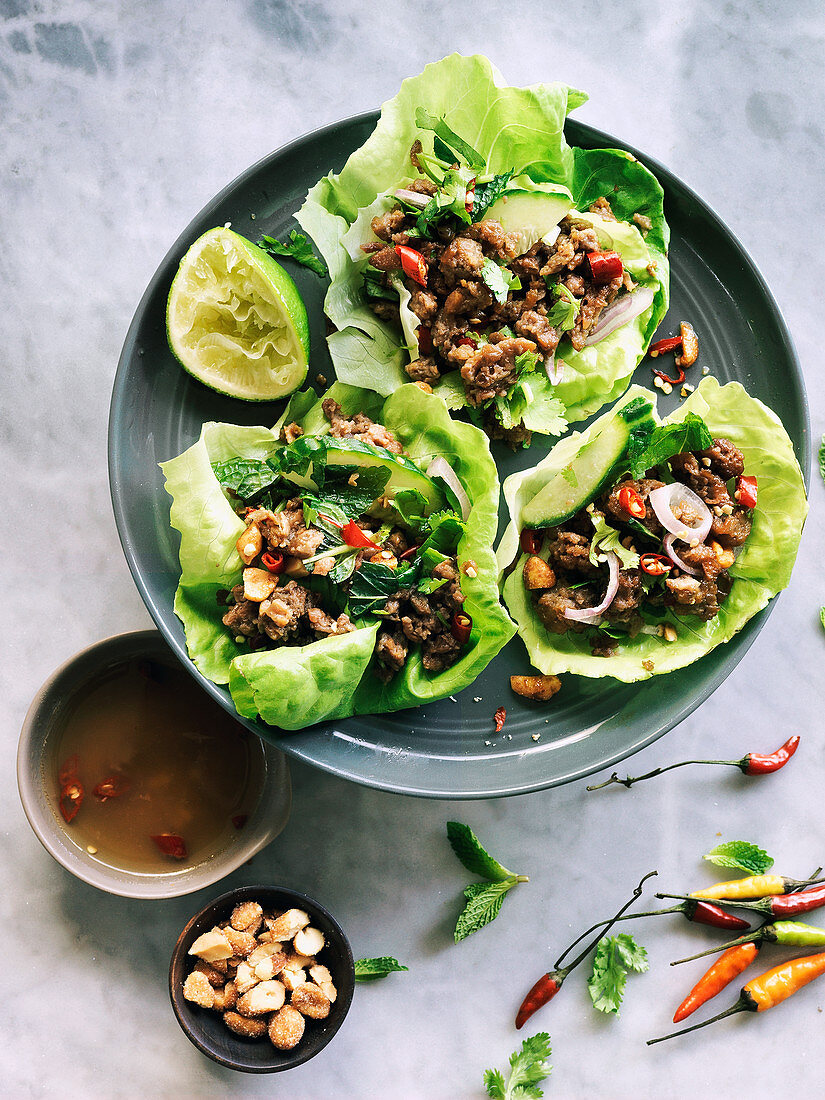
(728, 966)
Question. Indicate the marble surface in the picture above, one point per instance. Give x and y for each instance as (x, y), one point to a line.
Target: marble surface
(117, 123)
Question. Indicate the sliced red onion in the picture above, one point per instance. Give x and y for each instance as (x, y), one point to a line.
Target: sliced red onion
(619, 313)
(674, 557)
(551, 236)
(666, 500)
(553, 368)
(412, 198)
(439, 468)
(588, 614)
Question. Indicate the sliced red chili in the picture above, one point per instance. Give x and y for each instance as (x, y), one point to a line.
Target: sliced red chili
(111, 787)
(632, 503)
(68, 770)
(170, 844)
(500, 717)
(273, 562)
(605, 266)
(677, 381)
(530, 541)
(461, 627)
(656, 565)
(464, 341)
(670, 343)
(425, 340)
(239, 820)
(354, 536)
(746, 490)
(413, 263)
(71, 799)
(329, 519)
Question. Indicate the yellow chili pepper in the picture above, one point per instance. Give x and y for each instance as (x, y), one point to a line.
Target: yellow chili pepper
(757, 886)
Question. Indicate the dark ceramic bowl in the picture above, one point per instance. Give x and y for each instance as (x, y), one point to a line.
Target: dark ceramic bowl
(206, 1028)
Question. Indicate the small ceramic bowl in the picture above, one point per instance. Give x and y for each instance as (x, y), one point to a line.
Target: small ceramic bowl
(206, 1028)
(44, 722)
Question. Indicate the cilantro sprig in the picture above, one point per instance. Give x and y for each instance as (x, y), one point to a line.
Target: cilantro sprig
(499, 280)
(483, 899)
(741, 855)
(299, 248)
(606, 539)
(565, 309)
(528, 1067)
(615, 957)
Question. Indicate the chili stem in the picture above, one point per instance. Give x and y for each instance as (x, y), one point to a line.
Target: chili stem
(753, 937)
(740, 1006)
(630, 779)
(637, 893)
(601, 923)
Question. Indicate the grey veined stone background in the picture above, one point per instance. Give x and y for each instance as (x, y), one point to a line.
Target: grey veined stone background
(117, 123)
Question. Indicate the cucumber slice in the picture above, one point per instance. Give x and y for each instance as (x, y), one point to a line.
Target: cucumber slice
(531, 214)
(297, 461)
(594, 467)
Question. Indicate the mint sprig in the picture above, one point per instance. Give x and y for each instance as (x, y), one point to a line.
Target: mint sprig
(483, 899)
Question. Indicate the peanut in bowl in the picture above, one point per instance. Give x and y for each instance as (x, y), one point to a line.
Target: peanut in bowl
(237, 1013)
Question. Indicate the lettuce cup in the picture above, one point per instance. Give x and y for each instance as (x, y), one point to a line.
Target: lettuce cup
(472, 249)
(637, 546)
(340, 563)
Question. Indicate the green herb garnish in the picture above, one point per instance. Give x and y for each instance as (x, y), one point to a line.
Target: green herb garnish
(370, 970)
(484, 899)
(528, 1067)
(565, 310)
(447, 141)
(615, 957)
(299, 248)
(607, 538)
(500, 280)
(649, 449)
(488, 192)
(742, 856)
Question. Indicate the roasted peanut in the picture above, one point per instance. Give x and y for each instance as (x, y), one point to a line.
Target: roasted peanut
(690, 345)
(211, 946)
(385, 557)
(213, 976)
(309, 941)
(243, 943)
(226, 998)
(245, 978)
(292, 978)
(250, 544)
(258, 584)
(725, 557)
(537, 573)
(247, 917)
(286, 1028)
(310, 1000)
(535, 687)
(241, 1025)
(197, 989)
(290, 922)
(265, 997)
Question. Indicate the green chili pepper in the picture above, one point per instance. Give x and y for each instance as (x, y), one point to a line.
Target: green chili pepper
(791, 933)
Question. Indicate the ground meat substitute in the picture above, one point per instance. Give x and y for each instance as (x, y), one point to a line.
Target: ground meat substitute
(425, 620)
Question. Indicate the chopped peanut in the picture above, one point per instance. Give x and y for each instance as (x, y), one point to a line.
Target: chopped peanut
(286, 1028)
(537, 573)
(270, 966)
(220, 965)
(246, 978)
(724, 557)
(290, 922)
(258, 584)
(690, 346)
(309, 941)
(385, 557)
(425, 387)
(226, 998)
(310, 1000)
(250, 1029)
(330, 991)
(320, 974)
(535, 687)
(213, 976)
(292, 978)
(265, 997)
(211, 945)
(197, 989)
(247, 917)
(264, 951)
(250, 544)
(299, 962)
(243, 943)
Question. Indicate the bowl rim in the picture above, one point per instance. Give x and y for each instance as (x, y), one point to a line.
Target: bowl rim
(228, 900)
(276, 791)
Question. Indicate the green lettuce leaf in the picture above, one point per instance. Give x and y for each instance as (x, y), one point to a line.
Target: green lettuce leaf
(761, 570)
(518, 133)
(293, 687)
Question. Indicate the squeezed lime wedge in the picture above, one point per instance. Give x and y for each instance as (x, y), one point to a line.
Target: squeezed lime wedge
(236, 321)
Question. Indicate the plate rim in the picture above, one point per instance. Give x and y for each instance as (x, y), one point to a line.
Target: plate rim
(595, 138)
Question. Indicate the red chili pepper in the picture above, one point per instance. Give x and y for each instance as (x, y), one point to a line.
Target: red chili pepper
(670, 343)
(530, 541)
(461, 341)
(461, 627)
(550, 983)
(677, 381)
(632, 503)
(354, 536)
(500, 717)
(425, 340)
(111, 787)
(605, 266)
(330, 520)
(746, 490)
(776, 905)
(753, 764)
(68, 770)
(413, 263)
(171, 845)
(274, 562)
(71, 799)
(656, 565)
(728, 966)
(239, 820)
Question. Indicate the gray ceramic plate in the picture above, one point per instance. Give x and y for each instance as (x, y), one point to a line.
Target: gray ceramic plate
(447, 749)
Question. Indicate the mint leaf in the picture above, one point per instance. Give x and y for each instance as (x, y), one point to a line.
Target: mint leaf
(370, 970)
(425, 121)
(245, 477)
(472, 854)
(742, 856)
(487, 193)
(566, 309)
(651, 449)
(499, 280)
(614, 956)
(373, 583)
(299, 248)
(528, 1067)
(483, 905)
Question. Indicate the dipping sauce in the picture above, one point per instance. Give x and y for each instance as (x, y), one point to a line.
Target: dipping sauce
(149, 774)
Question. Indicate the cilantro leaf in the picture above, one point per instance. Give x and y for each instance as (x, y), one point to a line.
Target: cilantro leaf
(299, 248)
(647, 450)
(569, 475)
(615, 955)
(565, 310)
(822, 457)
(484, 900)
(487, 193)
(455, 144)
(473, 855)
(742, 856)
(605, 539)
(370, 970)
(528, 1067)
(500, 280)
